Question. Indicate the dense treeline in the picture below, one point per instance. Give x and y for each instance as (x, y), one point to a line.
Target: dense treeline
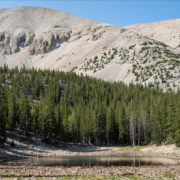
(71, 108)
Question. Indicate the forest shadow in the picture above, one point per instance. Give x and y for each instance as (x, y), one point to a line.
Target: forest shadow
(20, 146)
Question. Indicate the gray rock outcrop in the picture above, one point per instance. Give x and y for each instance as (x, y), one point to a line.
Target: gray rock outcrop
(39, 43)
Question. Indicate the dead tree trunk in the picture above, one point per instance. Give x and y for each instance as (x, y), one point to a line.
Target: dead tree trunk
(132, 129)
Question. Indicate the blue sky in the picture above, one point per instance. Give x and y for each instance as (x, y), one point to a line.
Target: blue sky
(117, 12)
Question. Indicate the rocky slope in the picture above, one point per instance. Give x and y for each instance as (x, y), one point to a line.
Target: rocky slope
(45, 38)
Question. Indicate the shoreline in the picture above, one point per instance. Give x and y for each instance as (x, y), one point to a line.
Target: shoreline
(18, 145)
(22, 167)
(76, 150)
(16, 153)
(12, 166)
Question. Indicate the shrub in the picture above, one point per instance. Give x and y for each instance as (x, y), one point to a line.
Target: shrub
(144, 49)
(144, 43)
(131, 47)
(56, 26)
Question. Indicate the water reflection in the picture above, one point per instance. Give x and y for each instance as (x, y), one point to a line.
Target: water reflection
(103, 161)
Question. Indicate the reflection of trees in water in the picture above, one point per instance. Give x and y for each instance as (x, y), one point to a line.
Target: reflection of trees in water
(104, 161)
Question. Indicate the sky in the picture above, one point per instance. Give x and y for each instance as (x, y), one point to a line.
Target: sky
(117, 12)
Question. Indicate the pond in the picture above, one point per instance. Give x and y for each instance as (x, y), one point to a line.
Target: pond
(103, 161)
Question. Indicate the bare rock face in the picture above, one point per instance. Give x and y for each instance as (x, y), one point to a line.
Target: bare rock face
(39, 43)
(48, 41)
(13, 42)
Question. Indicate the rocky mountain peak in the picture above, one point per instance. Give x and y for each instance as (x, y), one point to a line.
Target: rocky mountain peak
(45, 38)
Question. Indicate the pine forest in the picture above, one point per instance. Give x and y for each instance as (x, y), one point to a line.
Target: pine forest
(72, 108)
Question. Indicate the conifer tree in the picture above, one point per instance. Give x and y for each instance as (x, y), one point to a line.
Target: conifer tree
(3, 114)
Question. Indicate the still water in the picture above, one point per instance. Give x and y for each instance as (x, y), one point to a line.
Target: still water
(103, 161)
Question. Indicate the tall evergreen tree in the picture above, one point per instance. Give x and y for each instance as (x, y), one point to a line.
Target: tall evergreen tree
(3, 114)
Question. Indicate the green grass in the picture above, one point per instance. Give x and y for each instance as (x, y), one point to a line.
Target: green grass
(170, 175)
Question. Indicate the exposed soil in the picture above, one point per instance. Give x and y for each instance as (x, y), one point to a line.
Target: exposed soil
(49, 171)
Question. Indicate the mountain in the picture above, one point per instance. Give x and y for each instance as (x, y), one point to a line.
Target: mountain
(45, 38)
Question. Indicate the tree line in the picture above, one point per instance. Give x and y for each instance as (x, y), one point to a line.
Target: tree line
(74, 108)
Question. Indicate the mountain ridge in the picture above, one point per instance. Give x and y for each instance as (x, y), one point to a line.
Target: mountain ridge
(44, 38)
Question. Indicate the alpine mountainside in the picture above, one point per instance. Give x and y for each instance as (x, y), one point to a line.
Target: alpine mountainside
(50, 39)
